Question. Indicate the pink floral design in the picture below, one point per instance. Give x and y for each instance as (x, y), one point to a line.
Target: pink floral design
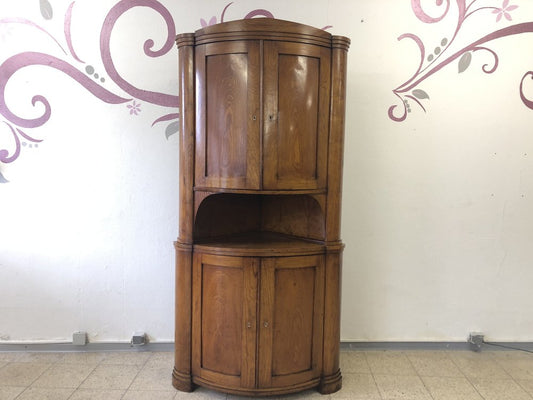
(135, 108)
(504, 11)
(212, 21)
(440, 57)
(255, 13)
(134, 95)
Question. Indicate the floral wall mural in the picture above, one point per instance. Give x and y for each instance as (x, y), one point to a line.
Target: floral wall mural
(444, 53)
(85, 74)
(410, 92)
(438, 172)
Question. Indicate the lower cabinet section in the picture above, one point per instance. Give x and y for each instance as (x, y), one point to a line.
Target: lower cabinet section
(257, 322)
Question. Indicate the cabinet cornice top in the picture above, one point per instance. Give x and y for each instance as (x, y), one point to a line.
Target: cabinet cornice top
(262, 28)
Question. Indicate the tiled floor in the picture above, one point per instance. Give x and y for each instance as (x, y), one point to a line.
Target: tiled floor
(367, 375)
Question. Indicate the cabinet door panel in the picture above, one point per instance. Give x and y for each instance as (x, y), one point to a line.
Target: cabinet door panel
(296, 115)
(224, 319)
(227, 120)
(290, 324)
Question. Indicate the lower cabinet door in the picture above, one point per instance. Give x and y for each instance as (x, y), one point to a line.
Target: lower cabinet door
(224, 320)
(290, 325)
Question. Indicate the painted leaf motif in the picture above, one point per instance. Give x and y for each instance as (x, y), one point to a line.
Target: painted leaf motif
(2, 179)
(464, 62)
(172, 128)
(420, 94)
(46, 9)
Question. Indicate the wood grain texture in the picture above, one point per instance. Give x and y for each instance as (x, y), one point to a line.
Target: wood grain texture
(227, 214)
(227, 123)
(331, 380)
(224, 306)
(295, 115)
(181, 376)
(258, 256)
(336, 142)
(187, 142)
(290, 327)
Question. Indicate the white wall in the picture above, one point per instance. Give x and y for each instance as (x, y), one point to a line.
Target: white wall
(437, 220)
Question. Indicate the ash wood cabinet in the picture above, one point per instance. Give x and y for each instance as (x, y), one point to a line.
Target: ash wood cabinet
(258, 256)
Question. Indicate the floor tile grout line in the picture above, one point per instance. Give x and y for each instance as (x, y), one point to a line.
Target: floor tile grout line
(524, 389)
(467, 378)
(511, 377)
(136, 375)
(372, 374)
(35, 380)
(87, 377)
(419, 377)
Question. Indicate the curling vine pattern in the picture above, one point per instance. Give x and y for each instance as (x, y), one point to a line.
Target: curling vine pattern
(440, 58)
(73, 67)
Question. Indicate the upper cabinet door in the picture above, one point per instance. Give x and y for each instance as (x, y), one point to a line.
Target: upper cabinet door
(296, 115)
(227, 115)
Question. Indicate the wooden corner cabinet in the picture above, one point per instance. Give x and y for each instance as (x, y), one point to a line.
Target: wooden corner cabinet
(258, 257)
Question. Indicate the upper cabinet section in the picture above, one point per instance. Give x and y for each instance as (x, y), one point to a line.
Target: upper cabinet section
(262, 95)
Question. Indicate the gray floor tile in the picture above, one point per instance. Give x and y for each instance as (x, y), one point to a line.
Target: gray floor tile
(149, 395)
(97, 394)
(450, 388)
(203, 394)
(401, 387)
(357, 387)
(389, 363)
(111, 377)
(45, 358)
(45, 394)
(10, 392)
(83, 358)
(21, 374)
(153, 378)
(126, 358)
(433, 363)
(354, 362)
(500, 389)
(478, 365)
(64, 376)
(369, 375)
(527, 385)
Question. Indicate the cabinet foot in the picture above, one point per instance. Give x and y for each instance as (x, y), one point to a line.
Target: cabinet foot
(330, 384)
(182, 382)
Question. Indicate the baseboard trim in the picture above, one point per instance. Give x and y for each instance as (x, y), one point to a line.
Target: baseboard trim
(345, 346)
(492, 346)
(405, 346)
(90, 347)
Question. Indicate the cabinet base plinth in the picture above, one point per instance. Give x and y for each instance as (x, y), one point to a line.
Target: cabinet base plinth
(330, 384)
(182, 382)
(253, 392)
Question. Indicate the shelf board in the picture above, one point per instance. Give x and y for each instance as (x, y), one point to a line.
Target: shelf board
(259, 244)
(259, 191)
